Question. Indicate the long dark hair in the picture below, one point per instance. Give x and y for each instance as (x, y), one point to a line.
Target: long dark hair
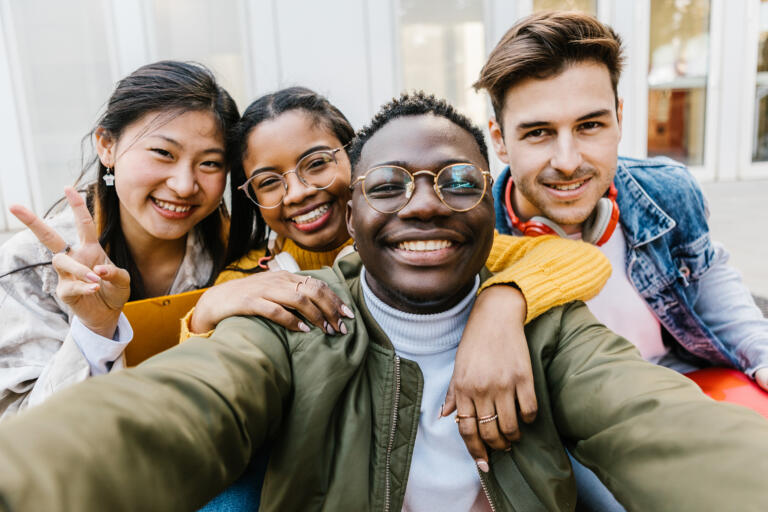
(247, 229)
(164, 87)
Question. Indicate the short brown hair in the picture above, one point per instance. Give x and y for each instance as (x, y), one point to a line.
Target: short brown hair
(543, 45)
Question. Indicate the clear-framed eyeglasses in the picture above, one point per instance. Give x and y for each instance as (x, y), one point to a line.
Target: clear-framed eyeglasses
(316, 171)
(388, 188)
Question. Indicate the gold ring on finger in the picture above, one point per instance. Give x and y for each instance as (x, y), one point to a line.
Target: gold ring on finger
(305, 281)
(488, 419)
(460, 417)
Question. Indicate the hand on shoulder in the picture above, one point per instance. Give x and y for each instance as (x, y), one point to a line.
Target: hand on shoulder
(279, 296)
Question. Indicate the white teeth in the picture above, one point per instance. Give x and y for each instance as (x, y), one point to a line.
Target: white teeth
(170, 206)
(315, 214)
(566, 187)
(424, 245)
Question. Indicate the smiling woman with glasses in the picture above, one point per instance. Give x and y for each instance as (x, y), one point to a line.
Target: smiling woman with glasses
(317, 170)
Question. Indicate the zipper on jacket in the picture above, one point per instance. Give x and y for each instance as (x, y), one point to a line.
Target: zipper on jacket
(484, 483)
(392, 430)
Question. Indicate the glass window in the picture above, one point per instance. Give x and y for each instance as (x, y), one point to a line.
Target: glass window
(760, 137)
(677, 79)
(587, 6)
(66, 78)
(206, 32)
(442, 48)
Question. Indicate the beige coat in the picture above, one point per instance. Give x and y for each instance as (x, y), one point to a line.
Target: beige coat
(38, 355)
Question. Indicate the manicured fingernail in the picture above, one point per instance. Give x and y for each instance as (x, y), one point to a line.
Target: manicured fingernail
(508, 449)
(342, 327)
(346, 311)
(92, 277)
(303, 327)
(328, 328)
(93, 287)
(483, 465)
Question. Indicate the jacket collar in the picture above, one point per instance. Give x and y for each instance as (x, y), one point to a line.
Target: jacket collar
(641, 218)
(349, 267)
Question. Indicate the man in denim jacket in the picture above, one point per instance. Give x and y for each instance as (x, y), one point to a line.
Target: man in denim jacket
(552, 80)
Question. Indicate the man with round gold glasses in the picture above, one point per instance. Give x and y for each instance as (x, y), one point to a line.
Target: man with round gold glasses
(388, 188)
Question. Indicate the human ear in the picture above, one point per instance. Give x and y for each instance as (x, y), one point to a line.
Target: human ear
(105, 146)
(349, 218)
(497, 139)
(620, 113)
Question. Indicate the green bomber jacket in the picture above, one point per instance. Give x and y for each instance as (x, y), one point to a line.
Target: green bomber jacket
(340, 415)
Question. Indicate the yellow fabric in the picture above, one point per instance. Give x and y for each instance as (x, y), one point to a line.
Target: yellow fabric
(550, 271)
(185, 333)
(306, 260)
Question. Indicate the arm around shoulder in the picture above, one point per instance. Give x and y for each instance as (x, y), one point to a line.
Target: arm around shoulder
(550, 271)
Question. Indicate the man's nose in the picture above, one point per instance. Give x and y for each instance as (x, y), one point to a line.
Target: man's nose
(424, 203)
(567, 156)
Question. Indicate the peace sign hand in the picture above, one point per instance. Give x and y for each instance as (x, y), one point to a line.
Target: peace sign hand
(89, 283)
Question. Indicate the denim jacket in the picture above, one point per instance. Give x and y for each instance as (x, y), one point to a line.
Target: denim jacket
(684, 277)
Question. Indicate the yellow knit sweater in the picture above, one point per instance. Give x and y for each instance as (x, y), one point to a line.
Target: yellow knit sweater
(549, 270)
(307, 260)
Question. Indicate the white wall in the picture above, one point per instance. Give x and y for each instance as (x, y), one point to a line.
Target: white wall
(346, 49)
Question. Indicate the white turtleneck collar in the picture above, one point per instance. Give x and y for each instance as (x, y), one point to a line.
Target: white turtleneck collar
(442, 475)
(412, 333)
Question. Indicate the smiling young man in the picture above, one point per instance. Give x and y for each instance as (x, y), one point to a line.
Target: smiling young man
(343, 415)
(553, 82)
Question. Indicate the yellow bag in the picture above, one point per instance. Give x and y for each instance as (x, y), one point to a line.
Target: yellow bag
(156, 323)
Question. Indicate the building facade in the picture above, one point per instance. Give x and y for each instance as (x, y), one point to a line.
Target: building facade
(695, 85)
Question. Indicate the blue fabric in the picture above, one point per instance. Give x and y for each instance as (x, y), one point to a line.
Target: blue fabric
(593, 496)
(672, 263)
(245, 494)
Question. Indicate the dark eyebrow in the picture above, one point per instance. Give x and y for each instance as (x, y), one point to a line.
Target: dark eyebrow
(178, 144)
(597, 113)
(531, 124)
(534, 124)
(311, 150)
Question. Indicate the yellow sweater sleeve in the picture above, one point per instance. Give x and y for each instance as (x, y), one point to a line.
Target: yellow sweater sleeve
(549, 270)
(248, 261)
(186, 333)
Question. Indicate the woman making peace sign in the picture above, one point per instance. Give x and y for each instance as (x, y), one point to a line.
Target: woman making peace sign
(159, 228)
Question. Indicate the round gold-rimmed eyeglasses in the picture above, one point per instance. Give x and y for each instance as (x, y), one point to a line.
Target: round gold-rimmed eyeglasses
(388, 188)
(316, 170)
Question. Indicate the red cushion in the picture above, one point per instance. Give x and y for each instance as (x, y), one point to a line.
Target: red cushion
(725, 384)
